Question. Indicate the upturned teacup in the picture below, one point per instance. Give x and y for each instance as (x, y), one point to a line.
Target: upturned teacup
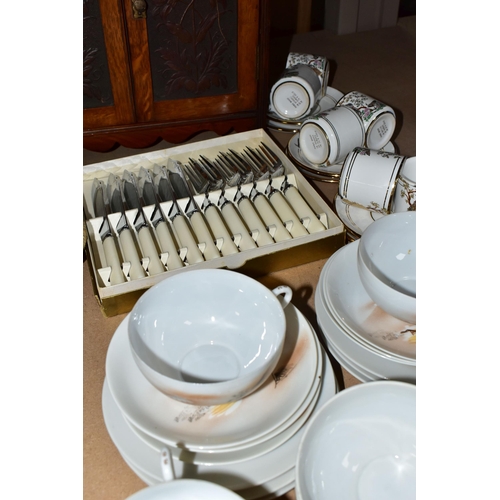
(379, 119)
(327, 138)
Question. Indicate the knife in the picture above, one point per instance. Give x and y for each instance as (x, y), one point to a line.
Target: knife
(141, 225)
(126, 237)
(106, 234)
(193, 212)
(178, 219)
(147, 192)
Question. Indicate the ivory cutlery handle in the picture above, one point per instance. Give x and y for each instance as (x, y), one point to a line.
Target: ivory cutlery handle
(270, 217)
(168, 245)
(237, 227)
(113, 260)
(131, 255)
(254, 222)
(187, 240)
(220, 231)
(148, 247)
(203, 234)
(287, 214)
(303, 210)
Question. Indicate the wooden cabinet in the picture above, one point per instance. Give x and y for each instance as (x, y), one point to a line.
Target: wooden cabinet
(187, 66)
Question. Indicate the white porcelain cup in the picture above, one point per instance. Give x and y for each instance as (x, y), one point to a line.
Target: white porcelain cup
(297, 92)
(318, 63)
(327, 138)
(405, 197)
(368, 178)
(379, 119)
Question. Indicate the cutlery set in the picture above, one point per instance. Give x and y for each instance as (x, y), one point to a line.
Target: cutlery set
(167, 217)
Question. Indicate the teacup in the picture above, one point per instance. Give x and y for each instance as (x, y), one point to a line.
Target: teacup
(296, 93)
(379, 119)
(319, 63)
(368, 178)
(405, 197)
(327, 138)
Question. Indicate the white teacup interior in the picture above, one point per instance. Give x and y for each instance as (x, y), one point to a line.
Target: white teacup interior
(211, 332)
(388, 249)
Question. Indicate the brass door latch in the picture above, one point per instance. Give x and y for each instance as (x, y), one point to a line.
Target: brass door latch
(139, 9)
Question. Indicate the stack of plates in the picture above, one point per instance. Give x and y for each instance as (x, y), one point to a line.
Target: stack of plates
(366, 341)
(248, 446)
(280, 124)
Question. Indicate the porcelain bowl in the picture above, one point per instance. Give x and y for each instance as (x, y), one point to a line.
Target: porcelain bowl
(387, 261)
(208, 336)
(361, 445)
(185, 489)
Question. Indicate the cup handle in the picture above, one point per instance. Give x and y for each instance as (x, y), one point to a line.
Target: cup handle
(287, 293)
(167, 466)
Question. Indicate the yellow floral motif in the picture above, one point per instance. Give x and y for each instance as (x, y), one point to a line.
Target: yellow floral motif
(220, 409)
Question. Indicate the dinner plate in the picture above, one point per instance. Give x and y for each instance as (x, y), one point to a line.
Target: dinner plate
(361, 339)
(230, 426)
(370, 362)
(351, 365)
(261, 447)
(274, 488)
(348, 301)
(238, 476)
(356, 218)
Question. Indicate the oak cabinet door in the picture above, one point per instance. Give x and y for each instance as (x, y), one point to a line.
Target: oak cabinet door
(194, 59)
(107, 89)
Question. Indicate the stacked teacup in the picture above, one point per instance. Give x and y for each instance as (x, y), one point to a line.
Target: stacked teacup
(372, 184)
(216, 375)
(300, 87)
(366, 301)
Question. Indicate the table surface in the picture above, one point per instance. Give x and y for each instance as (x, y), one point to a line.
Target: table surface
(380, 63)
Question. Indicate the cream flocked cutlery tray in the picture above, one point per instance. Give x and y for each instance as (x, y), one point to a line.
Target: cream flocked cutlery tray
(268, 220)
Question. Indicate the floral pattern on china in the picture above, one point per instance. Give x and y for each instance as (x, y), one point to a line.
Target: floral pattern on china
(318, 63)
(408, 193)
(358, 101)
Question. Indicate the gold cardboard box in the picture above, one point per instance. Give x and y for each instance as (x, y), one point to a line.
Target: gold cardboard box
(120, 298)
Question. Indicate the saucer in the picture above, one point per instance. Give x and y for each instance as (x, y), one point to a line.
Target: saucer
(349, 303)
(238, 476)
(262, 445)
(278, 486)
(356, 218)
(230, 426)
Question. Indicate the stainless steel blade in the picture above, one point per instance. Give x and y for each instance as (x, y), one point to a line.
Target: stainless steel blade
(166, 238)
(110, 246)
(127, 240)
(150, 248)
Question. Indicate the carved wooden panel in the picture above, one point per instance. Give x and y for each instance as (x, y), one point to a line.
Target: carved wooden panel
(107, 88)
(194, 59)
(96, 81)
(193, 48)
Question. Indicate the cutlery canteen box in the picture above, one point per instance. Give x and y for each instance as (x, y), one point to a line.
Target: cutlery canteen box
(120, 298)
